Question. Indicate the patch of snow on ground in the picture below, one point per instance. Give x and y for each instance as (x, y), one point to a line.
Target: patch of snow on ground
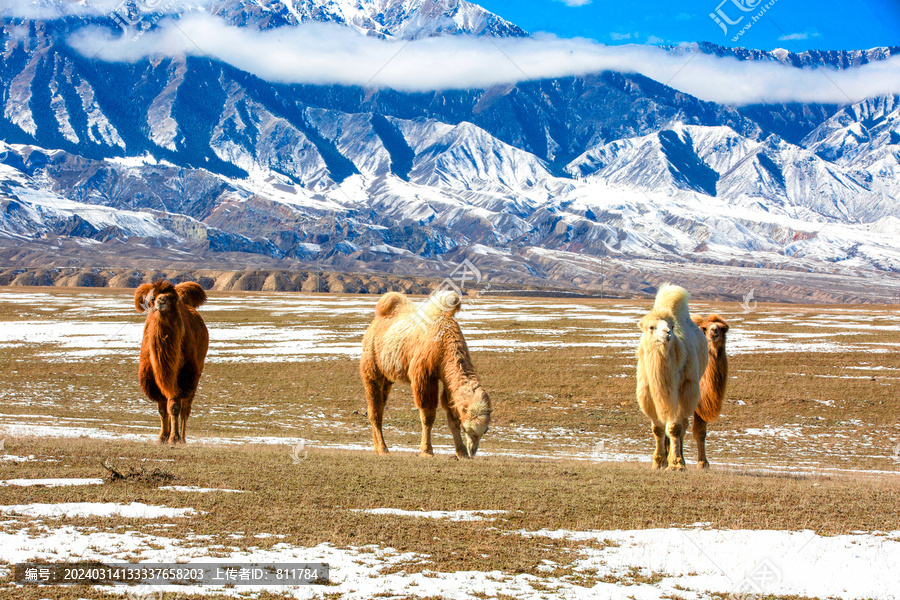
(51, 482)
(201, 490)
(757, 561)
(699, 561)
(452, 515)
(135, 510)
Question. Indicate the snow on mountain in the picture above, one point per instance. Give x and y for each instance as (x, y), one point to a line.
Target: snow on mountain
(659, 161)
(467, 156)
(864, 140)
(405, 19)
(857, 130)
(838, 59)
(716, 161)
(28, 208)
(402, 19)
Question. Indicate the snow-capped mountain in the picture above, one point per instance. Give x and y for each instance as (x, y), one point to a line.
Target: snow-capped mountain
(837, 59)
(403, 19)
(545, 180)
(400, 19)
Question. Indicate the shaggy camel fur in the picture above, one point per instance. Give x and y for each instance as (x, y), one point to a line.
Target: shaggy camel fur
(672, 356)
(172, 352)
(712, 385)
(421, 346)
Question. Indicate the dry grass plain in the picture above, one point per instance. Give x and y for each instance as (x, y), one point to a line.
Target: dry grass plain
(806, 444)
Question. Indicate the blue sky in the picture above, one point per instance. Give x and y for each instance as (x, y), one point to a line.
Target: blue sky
(797, 25)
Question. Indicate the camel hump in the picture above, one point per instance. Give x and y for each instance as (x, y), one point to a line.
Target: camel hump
(673, 298)
(141, 300)
(191, 293)
(388, 304)
(714, 318)
(443, 303)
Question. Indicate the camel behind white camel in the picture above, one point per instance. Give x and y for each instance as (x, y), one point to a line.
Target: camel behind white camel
(672, 357)
(423, 345)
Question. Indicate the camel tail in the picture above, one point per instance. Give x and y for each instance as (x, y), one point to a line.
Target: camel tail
(673, 298)
(389, 303)
(191, 293)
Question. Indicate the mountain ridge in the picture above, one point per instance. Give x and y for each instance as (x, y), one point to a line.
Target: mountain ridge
(174, 155)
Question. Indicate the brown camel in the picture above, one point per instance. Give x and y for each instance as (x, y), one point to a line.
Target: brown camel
(172, 352)
(423, 346)
(713, 383)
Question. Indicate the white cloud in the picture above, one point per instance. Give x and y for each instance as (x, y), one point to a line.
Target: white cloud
(797, 36)
(331, 54)
(575, 2)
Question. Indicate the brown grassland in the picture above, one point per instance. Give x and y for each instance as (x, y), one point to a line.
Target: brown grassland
(805, 442)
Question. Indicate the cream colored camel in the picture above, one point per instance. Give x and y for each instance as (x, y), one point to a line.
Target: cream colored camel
(671, 359)
(423, 346)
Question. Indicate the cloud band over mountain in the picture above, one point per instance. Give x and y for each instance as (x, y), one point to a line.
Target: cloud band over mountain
(330, 54)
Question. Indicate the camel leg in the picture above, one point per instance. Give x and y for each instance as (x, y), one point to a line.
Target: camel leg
(173, 408)
(675, 431)
(428, 415)
(659, 456)
(685, 426)
(188, 378)
(454, 423)
(425, 395)
(376, 398)
(185, 413)
(700, 438)
(163, 422)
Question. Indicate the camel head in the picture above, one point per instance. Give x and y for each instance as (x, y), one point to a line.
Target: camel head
(158, 296)
(714, 328)
(474, 412)
(658, 329)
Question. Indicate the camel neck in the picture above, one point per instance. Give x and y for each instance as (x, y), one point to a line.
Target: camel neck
(169, 327)
(456, 367)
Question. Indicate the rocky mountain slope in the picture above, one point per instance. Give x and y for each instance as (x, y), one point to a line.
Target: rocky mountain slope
(189, 159)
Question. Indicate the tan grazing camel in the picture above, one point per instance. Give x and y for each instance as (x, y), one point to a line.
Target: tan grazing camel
(423, 346)
(172, 352)
(671, 358)
(713, 383)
